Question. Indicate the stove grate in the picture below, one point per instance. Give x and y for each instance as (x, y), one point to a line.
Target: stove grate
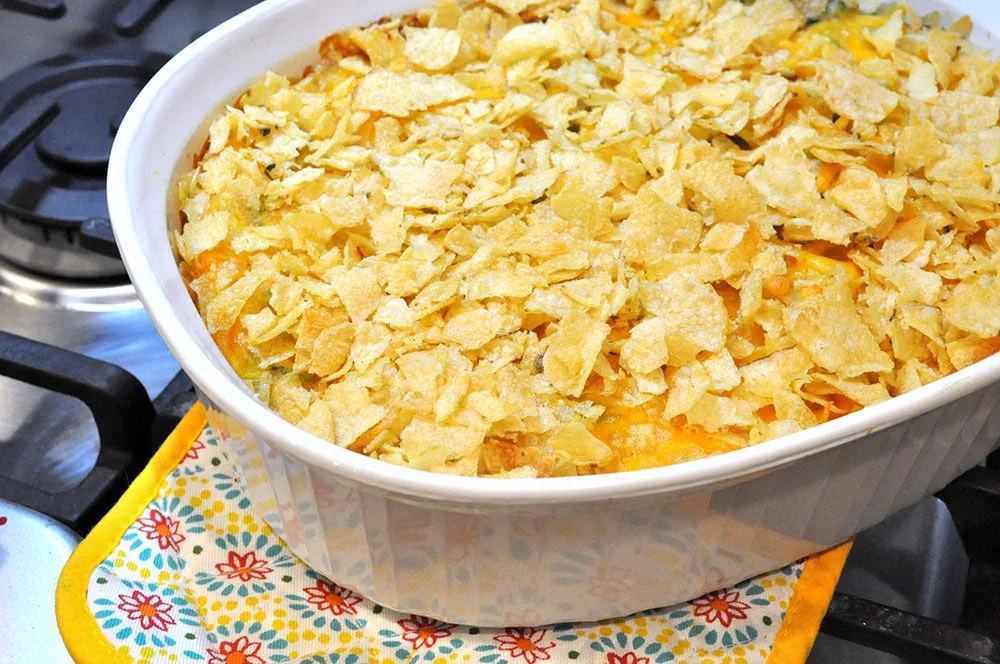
(916, 639)
(41, 8)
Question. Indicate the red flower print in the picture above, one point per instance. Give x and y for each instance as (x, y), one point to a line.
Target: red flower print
(3, 520)
(245, 567)
(525, 642)
(163, 529)
(240, 651)
(196, 447)
(721, 606)
(329, 597)
(423, 632)
(627, 658)
(150, 610)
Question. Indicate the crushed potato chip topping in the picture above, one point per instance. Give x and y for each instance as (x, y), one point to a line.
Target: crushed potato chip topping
(525, 238)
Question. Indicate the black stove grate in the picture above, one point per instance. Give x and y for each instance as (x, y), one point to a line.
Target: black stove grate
(131, 427)
(133, 18)
(915, 639)
(121, 410)
(42, 8)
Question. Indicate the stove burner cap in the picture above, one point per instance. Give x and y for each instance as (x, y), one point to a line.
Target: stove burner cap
(79, 140)
(56, 182)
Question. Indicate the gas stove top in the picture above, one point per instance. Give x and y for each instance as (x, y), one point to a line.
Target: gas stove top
(88, 390)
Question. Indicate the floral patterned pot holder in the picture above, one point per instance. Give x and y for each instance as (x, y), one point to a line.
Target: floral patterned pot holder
(182, 571)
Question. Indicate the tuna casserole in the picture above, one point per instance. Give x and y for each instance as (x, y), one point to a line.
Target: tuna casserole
(514, 238)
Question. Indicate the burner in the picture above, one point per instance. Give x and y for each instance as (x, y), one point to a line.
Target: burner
(62, 115)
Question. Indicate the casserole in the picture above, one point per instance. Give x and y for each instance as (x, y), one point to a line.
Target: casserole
(479, 551)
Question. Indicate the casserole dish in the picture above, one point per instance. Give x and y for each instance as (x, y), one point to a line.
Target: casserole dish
(480, 551)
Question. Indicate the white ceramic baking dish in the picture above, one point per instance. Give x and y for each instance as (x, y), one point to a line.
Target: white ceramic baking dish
(492, 552)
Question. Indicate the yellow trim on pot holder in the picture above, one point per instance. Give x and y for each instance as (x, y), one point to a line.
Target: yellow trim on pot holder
(79, 629)
(808, 605)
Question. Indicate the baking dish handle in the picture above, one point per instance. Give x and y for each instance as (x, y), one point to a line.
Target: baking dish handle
(121, 409)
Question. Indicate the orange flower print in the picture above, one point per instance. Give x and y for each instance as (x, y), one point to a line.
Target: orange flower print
(150, 610)
(721, 606)
(240, 651)
(627, 658)
(163, 529)
(245, 567)
(423, 632)
(524, 642)
(329, 597)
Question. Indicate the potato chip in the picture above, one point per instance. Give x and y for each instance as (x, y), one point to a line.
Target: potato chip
(577, 445)
(714, 413)
(319, 421)
(854, 96)
(732, 199)
(640, 80)
(223, 310)
(531, 40)
(925, 319)
(786, 185)
(969, 350)
(420, 185)
(857, 390)
(359, 290)
(884, 37)
(688, 386)
(395, 313)
(974, 306)
(658, 224)
(590, 292)
(722, 371)
(954, 112)
(398, 95)
(331, 350)
(574, 347)
(283, 324)
(646, 349)
(472, 328)
(825, 322)
(428, 445)
(860, 192)
(826, 222)
(352, 410)
(388, 231)
(431, 48)
(694, 315)
(790, 407)
(589, 210)
(922, 83)
(913, 283)
(513, 7)
(205, 233)
(775, 373)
